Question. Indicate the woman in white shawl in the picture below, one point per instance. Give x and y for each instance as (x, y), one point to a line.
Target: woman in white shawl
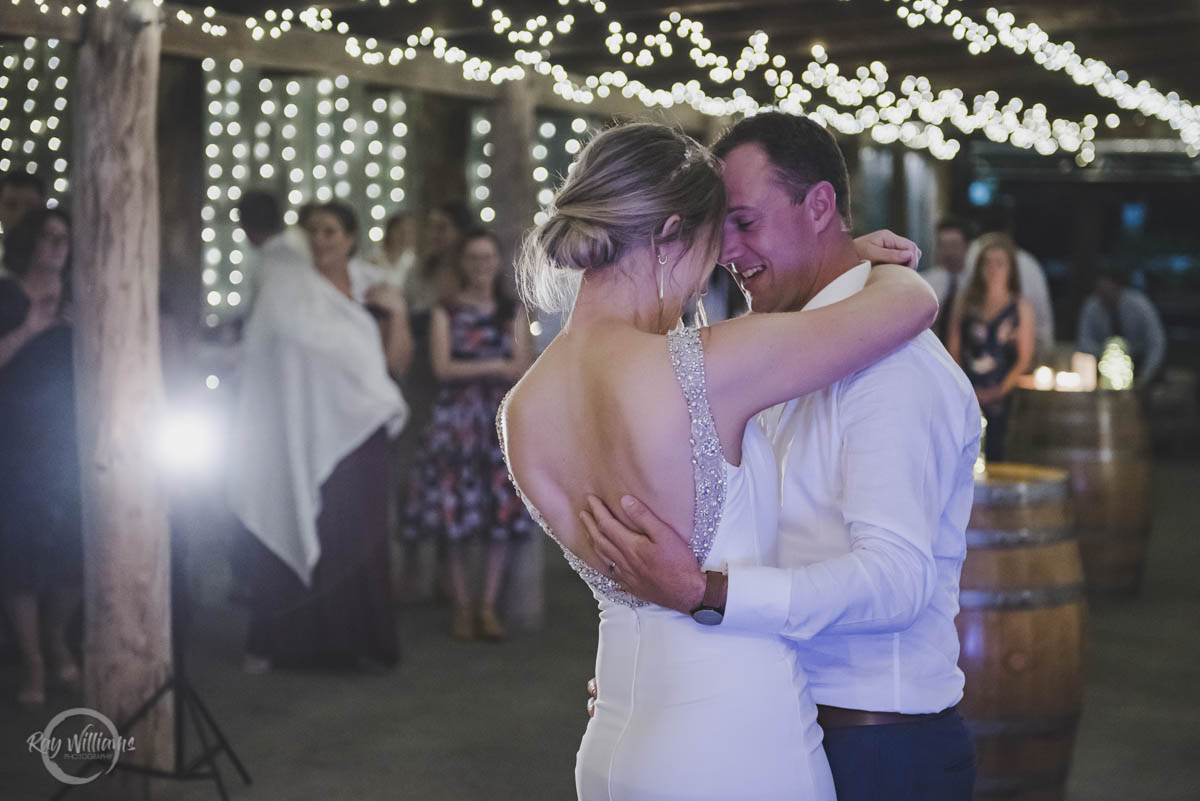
(312, 474)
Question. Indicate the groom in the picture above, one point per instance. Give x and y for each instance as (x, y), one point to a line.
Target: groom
(876, 478)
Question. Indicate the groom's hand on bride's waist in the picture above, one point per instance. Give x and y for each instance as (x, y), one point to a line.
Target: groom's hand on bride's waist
(651, 560)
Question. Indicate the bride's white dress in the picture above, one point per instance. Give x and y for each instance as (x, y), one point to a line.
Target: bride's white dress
(689, 712)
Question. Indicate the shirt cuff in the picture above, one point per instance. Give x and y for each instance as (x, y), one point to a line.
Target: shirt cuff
(758, 599)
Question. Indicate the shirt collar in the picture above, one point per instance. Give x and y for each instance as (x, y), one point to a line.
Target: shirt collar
(848, 283)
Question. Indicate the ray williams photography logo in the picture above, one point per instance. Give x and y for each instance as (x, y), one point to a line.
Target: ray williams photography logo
(92, 737)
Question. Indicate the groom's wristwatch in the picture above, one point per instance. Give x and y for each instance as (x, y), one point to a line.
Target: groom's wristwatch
(711, 610)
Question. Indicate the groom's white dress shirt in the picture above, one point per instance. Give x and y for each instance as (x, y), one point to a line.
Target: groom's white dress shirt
(876, 481)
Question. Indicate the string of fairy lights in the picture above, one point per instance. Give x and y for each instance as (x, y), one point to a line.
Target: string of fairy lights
(558, 138)
(34, 111)
(1031, 40)
(863, 103)
(908, 117)
(306, 138)
(319, 138)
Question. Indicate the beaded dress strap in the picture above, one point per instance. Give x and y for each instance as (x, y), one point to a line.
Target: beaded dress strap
(708, 460)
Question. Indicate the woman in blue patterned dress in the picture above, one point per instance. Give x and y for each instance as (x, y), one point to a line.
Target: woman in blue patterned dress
(991, 335)
(479, 347)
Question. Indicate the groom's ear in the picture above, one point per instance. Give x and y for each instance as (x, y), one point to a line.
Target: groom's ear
(821, 202)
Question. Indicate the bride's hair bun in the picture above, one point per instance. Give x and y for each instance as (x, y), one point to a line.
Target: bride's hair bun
(619, 192)
(576, 241)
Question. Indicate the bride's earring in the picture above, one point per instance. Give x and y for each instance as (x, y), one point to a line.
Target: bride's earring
(662, 261)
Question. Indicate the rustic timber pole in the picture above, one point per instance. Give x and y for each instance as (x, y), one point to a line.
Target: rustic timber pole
(441, 124)
(127, 640)
(515, 202)
(513, 194)
(182, 184)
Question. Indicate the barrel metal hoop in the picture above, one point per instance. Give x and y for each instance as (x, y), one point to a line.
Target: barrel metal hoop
(1128, 535)
(995, 539)
(1020, 493)
(1021, 598)
(1064, 456)
(1022, 726)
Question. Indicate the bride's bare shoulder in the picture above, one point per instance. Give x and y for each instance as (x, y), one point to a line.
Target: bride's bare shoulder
(618, 364)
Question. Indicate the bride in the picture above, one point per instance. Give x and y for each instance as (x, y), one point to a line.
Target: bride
(624, 400)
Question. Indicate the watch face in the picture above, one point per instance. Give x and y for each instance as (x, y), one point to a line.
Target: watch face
(709, 617)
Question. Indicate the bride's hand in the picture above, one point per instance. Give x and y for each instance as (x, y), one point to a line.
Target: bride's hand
(885, 247)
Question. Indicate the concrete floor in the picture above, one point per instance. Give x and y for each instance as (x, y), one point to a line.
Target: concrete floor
(472, 721)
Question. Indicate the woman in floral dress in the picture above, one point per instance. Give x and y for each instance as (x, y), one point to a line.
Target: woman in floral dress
(991, 335)
(480, 346)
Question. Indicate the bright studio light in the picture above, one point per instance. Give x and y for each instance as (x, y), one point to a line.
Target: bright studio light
(187, 442)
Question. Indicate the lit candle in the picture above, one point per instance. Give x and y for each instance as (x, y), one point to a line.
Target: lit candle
(1068, 382)
(1043, 378)
(1085, 365)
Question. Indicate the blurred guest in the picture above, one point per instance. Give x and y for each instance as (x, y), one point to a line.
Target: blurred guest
(20, 193)
(431, 281)
(991, 334)
(946, 277)
(1116, 310)
(41, 549)
(395, 254)
(437, 277)
(32, 248)
(259, 216)
(262, 221)
(312, 478)
(480, 346)
(1033, 289)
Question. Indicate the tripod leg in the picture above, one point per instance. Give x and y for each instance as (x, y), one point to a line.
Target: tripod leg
(220, 735)
(209, 757)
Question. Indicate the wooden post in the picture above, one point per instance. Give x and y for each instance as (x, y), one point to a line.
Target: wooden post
(127, 640)
(440, 135)
(513, 195)
(514, 201)
(182, 186)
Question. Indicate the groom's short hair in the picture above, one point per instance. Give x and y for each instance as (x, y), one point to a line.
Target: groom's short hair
(802, 152)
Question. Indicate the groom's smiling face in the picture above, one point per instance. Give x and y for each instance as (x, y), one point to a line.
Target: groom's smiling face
(768, 238)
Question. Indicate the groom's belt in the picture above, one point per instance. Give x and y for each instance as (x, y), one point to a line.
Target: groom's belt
(835, 717)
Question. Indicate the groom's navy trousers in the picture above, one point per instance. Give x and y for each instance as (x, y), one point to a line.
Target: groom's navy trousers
(926, 760)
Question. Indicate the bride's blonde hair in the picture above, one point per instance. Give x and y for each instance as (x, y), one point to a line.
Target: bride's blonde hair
(620, 191)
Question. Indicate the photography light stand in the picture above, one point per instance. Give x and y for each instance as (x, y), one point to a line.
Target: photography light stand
(187, 705)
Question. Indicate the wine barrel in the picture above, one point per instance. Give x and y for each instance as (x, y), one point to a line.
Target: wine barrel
(1020, 628)
(1101, 438)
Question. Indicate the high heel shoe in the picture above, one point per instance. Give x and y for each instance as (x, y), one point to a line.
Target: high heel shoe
(490, 627)
(66, 670)
(69, 676)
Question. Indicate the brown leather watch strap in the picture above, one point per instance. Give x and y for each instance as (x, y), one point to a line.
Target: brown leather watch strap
(716, 587)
